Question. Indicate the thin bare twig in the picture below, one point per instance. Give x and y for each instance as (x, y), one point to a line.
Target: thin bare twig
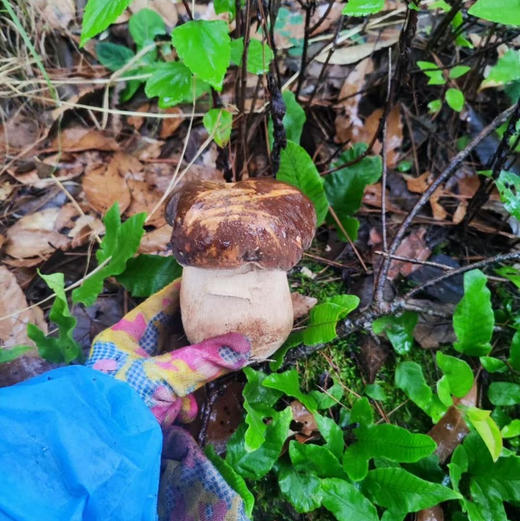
(425, 197)
(457, 271)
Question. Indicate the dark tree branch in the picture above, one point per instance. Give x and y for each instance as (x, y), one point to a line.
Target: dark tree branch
(425, 197)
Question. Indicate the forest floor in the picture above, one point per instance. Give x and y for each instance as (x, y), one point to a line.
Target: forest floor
(411, 118)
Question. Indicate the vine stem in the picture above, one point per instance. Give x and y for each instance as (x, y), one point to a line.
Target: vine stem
(445, 174)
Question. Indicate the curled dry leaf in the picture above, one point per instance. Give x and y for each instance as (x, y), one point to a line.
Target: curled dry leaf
(431, 514)
(56, 13)
(302, 304)
(164, 7)
(144, 199)
(18, 133)
(302, 415)
(413, 247)
(448, 433)
(355, 53)
(331, 18)
(372, 357)
(77, 139)
(36, 235)
(13, 329)
(137, 121)
(156, 241)
(104, 186)
(170, 125)
(419, 185)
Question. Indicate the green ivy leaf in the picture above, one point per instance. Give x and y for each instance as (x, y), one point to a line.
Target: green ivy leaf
(144, 26)
(328, 399)
(219, 123)
(332, 434)
(205, 48)
(259, 57)
(362, 412)
(508, 185)
(363, 7)
(511, 430)
(300, 487)
(514, 351)
(146, 274)
(297, 169)
(433, 72)
(345, 188)
(256, 464)
(8, 354)
(375, 391)
(400, 491)
(315, 459)
(455, 99)
(473, 320)
(172, 82)
(410, 379)
(505, 12)
(510, 273)
(506, 70)
(398, 329)
(325, 316)
(233, 479)
(487, 429)
(491, 483)
(62, 348)
(492, 364)
(98, 15)
(345, 501)
(112, 55)
(225, 6)
(289, 383)
(504, 393)
(391, 442)
(434, 106)
(258, 403)
(118, 246)
(457, 372)
(458, 71)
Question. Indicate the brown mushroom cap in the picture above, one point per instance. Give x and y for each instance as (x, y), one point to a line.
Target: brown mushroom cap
(225, 225)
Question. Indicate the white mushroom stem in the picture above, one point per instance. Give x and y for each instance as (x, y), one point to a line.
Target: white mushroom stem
(247, 300)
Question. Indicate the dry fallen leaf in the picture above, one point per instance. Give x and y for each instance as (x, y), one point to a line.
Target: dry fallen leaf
(18, 133)
(302, 304)
(164, 7)
(105, 186)
(412, 246)
(13, 329)
(156, 241)
(77, 139)
(303, 416)
(144, 199)
(137, 121)
(431, 514)
(37, 235)
(56, 13)
(170, 125)
(355, 53)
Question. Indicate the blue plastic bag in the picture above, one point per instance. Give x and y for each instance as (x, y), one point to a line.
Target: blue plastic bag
(76, 444)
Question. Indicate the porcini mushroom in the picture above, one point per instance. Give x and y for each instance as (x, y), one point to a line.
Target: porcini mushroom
(236, 242)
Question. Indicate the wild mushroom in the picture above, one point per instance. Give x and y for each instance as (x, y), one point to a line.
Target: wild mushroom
(236, 242)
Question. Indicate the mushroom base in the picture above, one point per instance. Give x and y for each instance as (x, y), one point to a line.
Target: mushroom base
(256, 303)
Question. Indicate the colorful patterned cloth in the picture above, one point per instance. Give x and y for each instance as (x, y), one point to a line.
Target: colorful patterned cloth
(128, 351)
(191, 488)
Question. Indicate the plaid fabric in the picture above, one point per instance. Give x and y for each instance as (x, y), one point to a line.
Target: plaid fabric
(191, 488)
